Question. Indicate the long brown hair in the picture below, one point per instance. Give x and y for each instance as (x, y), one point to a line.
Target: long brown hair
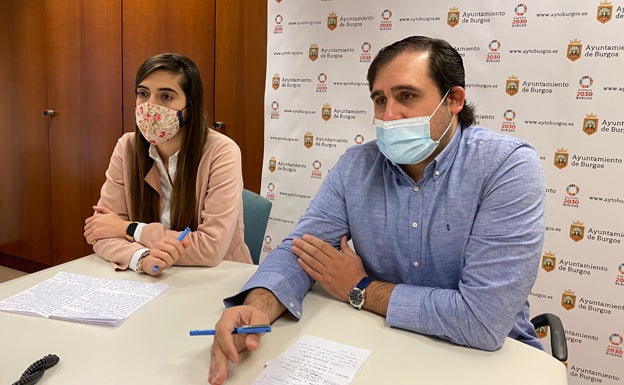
(145, 205)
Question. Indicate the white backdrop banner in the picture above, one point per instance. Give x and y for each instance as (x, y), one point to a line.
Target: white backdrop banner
(549, 72)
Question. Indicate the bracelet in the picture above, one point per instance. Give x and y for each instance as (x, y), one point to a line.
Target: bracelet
(139, 264)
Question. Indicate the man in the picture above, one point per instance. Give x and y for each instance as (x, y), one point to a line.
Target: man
(446, 219)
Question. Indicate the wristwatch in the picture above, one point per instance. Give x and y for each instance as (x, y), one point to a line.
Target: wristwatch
(130, 231)
(357, 294)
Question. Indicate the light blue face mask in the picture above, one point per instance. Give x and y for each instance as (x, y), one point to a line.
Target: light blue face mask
(408, 141)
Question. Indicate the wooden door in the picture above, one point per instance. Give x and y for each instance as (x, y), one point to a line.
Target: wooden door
(24, 171)
(84, 88)
(63, 56)
(240, 62)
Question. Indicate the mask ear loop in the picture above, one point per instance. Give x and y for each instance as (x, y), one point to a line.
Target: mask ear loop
(180, 117)
(445, 131)
(439, 104)
(452, 116)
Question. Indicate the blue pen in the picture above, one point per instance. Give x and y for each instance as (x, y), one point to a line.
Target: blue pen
(180, 238)
(249, 329)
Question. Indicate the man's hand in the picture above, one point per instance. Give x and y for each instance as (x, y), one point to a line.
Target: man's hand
(226, 345)
(104, 224)
(336, 271)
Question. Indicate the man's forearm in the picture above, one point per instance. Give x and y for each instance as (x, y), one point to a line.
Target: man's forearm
(378, 297)
(266, 301)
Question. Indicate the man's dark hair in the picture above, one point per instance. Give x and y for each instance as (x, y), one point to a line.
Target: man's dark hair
(446, 67)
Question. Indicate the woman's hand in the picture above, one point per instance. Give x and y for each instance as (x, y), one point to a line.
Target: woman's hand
(163, 254)
(104, 224)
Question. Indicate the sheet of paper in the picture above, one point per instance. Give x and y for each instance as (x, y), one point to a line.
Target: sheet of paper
(314, 361)
(82, 298)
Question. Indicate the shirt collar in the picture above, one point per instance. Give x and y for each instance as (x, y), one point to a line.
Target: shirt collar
(153, 153)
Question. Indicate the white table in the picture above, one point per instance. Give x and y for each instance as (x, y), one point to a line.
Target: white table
(153, 346)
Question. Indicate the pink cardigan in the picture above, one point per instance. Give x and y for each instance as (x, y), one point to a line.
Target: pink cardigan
(219, 187)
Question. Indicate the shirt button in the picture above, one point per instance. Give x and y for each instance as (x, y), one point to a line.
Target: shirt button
(416, 264)
(414, 225)
(292, 304)
(437, 172)
(415, 188)
(298, 313)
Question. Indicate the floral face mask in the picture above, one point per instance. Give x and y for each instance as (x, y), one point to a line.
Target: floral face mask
(157, 123)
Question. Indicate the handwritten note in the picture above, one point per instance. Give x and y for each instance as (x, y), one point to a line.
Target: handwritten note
(314, 360)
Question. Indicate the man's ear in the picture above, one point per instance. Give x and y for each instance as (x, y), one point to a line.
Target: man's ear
(456, 99)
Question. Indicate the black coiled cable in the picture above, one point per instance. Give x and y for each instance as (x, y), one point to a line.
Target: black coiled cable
(35, 371)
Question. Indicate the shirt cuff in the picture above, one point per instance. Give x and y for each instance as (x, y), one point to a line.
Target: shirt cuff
(137, 232)
(404, 308)
(135, 258)
(283, 289)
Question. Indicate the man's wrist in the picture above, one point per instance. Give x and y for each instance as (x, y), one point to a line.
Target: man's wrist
(265, 301)
(357, 295)
(378, 295)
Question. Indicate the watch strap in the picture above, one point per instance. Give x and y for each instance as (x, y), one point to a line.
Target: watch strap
(363, 284)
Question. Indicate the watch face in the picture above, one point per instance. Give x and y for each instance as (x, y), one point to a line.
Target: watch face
(356, 297)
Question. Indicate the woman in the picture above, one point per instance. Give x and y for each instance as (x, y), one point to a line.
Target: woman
(172, 172)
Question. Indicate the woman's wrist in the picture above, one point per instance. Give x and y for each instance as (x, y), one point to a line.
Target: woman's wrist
(129, 229)
(139, 267)
(134, 262)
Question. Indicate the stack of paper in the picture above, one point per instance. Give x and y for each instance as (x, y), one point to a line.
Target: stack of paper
(81, 298)
(314, 361)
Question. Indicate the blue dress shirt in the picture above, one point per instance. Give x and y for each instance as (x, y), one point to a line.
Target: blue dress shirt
(463, 244)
